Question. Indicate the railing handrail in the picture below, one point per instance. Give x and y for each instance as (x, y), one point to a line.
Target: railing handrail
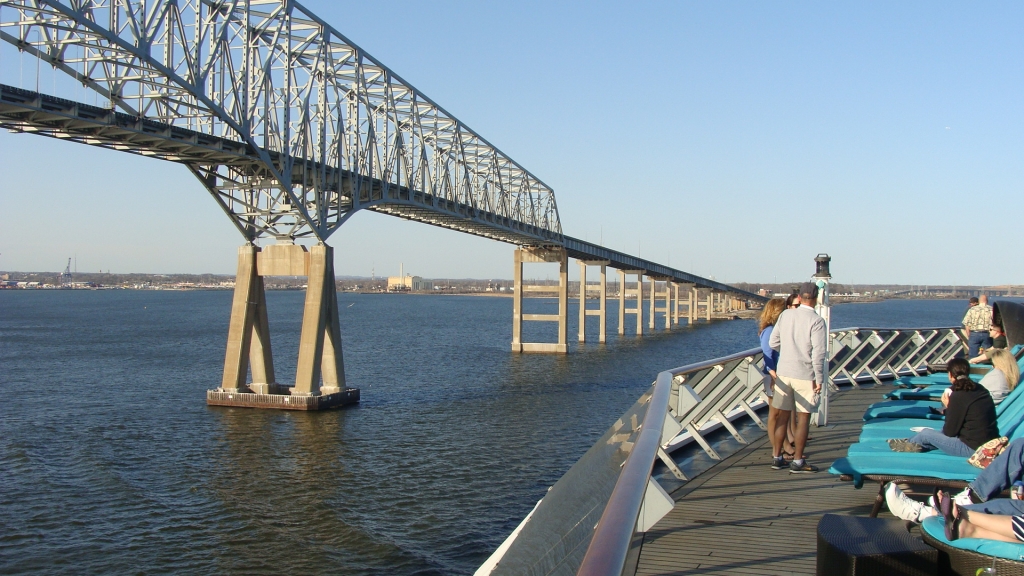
(903, 329)
(713, 362)
(616, 527)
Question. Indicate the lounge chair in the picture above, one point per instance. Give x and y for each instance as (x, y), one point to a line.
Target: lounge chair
(967, 555)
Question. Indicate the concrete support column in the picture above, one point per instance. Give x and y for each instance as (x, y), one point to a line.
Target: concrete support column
(319, 329)
(517, 301)
(653, 303)
(261, 359)
(692, 311)
(675, 303)
(640, 303)
(240, 327)
(603, 334)
(333, 363)
(710, 305)
(668, 305)
(583, 301)
(563, 303)
(622, 302)
(602, 309)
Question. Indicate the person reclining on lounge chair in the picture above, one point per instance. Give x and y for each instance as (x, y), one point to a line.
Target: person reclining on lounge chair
(1003, 377)
(999, 381)
(980, 495)
(970, 418)
(963, 522)
(998, 341)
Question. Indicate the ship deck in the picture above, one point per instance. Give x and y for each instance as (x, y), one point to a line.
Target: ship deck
(742, 517)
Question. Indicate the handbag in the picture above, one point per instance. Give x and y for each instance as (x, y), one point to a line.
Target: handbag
(988, 452)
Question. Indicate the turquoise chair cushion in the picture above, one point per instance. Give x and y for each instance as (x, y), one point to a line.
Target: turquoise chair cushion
(935, 527)
(905, 409)
(933, 392)
(885, 428)
(933, 464)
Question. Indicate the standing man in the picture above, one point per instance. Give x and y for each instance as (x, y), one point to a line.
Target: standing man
(976, 324)
(800, 337)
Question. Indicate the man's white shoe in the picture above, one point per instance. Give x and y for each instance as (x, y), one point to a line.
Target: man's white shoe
(905, 507)
(964, 497)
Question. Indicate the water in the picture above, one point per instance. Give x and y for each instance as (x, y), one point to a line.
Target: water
(110, 461)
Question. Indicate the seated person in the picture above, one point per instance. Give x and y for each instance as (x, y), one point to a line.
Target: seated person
(962, 522)
(970, 418)
(980, 495)
(1003, 377)
(998, 341)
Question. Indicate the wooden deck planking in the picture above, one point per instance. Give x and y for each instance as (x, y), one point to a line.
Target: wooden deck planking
(742, 517)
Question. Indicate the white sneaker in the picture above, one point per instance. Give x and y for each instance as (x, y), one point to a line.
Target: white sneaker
(963, 498)
(905, 507)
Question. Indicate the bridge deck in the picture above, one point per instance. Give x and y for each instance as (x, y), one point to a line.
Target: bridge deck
(742, 517)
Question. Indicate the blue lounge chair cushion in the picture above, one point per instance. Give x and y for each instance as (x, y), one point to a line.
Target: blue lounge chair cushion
(900, 423)
(933, 464)
(1011, 406)
(885, 428)
(933, 392)
(935, 527)
(904, 409)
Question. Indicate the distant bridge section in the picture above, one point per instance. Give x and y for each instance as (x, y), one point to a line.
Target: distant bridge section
(582, 250)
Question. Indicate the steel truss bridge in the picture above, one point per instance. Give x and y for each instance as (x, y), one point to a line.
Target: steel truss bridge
(290, 126)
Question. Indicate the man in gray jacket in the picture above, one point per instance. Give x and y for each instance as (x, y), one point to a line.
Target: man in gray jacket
(800, 337)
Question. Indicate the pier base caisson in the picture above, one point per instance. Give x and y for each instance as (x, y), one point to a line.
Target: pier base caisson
(320, 370)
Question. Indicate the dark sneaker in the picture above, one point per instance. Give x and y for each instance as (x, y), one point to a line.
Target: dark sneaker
(902, 445)
(804, 468)
(779, 463)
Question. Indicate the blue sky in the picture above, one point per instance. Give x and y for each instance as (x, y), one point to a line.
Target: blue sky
(734, 140)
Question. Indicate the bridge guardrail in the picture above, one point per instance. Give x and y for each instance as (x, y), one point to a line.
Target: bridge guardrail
(587, 522)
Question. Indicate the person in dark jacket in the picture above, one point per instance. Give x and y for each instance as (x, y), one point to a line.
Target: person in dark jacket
(970, 418)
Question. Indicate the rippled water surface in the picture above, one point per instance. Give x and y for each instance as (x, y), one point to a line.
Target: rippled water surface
(110, 460)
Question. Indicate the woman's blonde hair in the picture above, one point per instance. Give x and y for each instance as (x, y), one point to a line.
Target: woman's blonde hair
(770, 314)
(1005, 363)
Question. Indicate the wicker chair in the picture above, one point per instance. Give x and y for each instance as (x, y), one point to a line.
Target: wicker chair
(959, 562)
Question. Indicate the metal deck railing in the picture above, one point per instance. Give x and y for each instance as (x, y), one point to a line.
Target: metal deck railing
(588, 521)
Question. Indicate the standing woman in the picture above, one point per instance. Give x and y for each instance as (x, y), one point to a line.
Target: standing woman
(769, 316)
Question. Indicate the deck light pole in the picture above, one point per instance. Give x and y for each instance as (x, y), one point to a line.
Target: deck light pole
(824, 309)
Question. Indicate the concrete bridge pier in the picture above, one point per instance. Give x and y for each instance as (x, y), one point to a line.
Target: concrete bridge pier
(692, 311)
(666, 297)
(524, 255)
(248, 345)
(653, 304)
(602, 309)
(639, 309)
(677, 313)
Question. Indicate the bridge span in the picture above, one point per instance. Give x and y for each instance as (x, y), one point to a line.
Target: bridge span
(292, 129)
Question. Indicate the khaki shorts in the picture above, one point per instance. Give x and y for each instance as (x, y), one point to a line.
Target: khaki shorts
(794, 394)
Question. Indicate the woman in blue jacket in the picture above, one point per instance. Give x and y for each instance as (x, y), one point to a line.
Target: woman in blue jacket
(769, 316)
